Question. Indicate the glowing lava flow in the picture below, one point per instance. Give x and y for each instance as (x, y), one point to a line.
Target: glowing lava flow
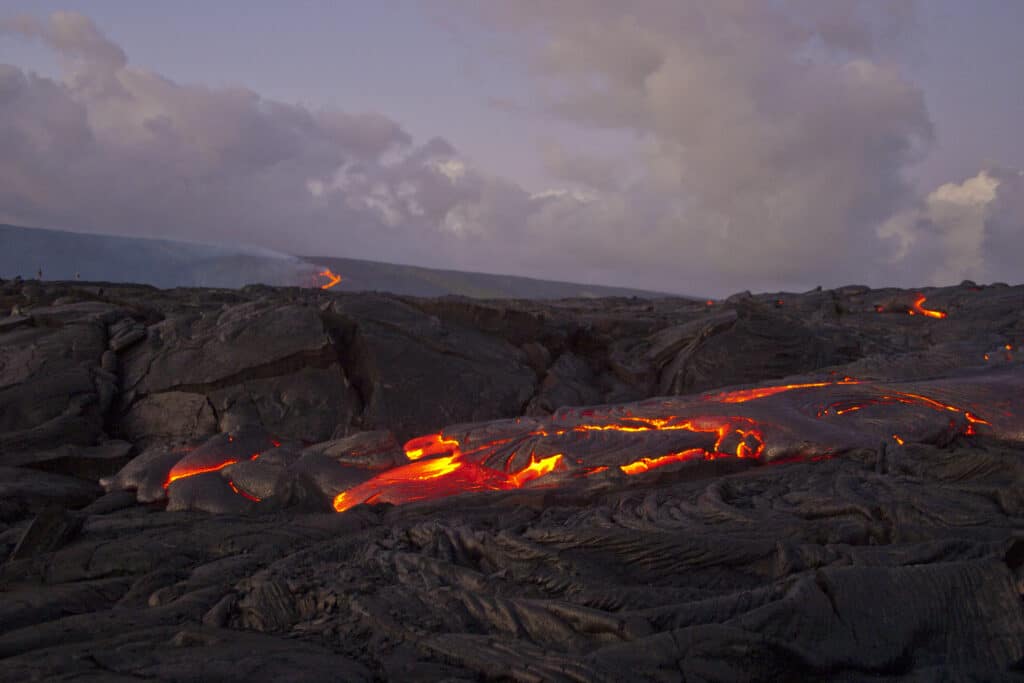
(441, 468)
(242, 493)
(178, 472)
(431, 444)
(334, 279)
(906, 398)
(919, 308)
(744, 395)
(440, 477)
(647, 464)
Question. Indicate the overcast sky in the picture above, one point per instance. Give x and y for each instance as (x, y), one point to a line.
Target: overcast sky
(694, 147)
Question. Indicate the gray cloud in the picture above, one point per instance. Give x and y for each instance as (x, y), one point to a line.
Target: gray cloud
(113, 148)
(774, 142)
(773, 146)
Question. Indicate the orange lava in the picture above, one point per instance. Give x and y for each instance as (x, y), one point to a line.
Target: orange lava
(429, 445)
(906, 398)
(178, 472)
(536, 469)
(440, 477)
(441, 468)
(647, 464)
(333, 279)
(897, 439)
(919, 308)
(744, 395)
(242, 493)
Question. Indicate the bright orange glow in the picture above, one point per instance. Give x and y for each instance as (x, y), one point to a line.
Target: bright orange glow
(906, 398)
(986, 356)
(1008, 347)
(919, 308)
(536, 469)
(333, 279)
(438, 478)
(177, 472)
(429, 445)
(647, 464)
(440, 465)
(709, 302)
(744, 395)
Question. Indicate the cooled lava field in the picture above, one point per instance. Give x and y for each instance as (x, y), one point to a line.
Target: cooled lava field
(295, 484)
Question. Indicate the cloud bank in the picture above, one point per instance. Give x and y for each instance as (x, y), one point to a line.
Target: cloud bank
(773, 146)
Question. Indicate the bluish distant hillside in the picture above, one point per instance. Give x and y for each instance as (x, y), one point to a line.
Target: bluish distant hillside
(63, 255)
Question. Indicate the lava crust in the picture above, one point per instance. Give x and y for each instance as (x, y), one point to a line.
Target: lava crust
(301, 484)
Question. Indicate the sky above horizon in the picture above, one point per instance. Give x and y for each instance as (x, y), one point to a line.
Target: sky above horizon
(680, 146)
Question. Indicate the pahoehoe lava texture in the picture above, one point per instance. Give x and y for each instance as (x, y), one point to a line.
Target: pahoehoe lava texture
(827, 485)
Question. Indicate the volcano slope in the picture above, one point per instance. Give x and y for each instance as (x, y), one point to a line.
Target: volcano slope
(292, 484)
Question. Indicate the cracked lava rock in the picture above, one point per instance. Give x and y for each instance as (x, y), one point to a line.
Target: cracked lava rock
(298, 484)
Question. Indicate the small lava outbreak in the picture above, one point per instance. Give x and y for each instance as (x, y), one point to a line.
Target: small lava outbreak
(332, 278)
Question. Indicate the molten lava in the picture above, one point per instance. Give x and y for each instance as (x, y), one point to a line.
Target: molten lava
(181, 471)
(441, 477)
(634, 439)
(242, 493)
(744, 395)
(646, 464)
(429, 445)
(331, 277)
(920, 309)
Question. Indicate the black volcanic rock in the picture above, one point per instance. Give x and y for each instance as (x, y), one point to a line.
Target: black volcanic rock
(170, 459)
(414, 373)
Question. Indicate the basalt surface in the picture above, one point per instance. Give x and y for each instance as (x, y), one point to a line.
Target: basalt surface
(293, 484)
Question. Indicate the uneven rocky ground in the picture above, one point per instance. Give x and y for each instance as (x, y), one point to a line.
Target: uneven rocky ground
(771, 487)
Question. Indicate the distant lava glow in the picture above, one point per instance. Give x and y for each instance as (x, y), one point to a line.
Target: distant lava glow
(917, 308)
(920, 309)
(332, 278)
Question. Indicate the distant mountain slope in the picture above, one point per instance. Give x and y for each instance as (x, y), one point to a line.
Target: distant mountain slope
(63, 255)
(163, 263)
(359, 275)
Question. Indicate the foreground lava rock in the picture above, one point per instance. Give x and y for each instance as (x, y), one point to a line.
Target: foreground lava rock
(822, 485)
